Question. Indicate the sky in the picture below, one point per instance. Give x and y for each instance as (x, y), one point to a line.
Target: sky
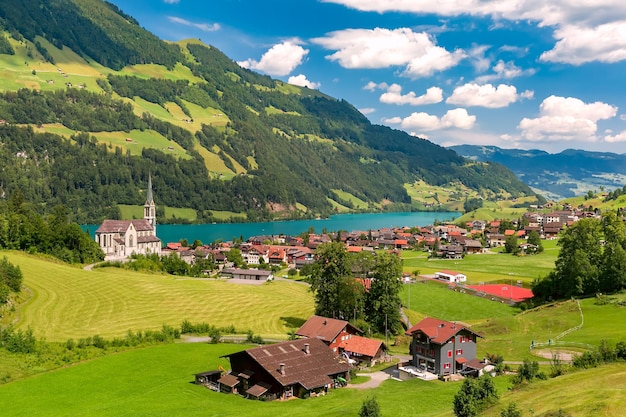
(525, 74)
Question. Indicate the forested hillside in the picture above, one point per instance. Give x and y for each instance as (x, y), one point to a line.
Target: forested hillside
(91, 104)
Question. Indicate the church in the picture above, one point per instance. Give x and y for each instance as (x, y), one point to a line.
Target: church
(119, 239)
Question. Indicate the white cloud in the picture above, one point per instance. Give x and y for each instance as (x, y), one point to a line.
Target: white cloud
(478, 59)
(620, 137)
(586, 31)
(372, 86)
(504, 70)
(367, 110)
(383, 48)
(301, 80)
(577, 45)
(455, 118)
(566, 118)
(205, 27)
(486, 95)
(394, 96)
(279, 60)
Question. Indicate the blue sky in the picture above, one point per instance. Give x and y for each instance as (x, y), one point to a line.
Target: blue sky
(526, 74)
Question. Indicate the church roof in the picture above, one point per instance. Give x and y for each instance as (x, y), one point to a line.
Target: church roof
(121, 226)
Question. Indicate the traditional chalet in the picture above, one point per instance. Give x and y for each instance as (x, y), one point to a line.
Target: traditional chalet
(364, 350)
(442, 347)
(122, 238)
(295, 368)
(330, 331)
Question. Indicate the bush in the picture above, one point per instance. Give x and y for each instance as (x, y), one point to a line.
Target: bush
(370, 408)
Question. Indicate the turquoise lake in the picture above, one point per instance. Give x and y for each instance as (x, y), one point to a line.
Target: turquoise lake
(208, 233)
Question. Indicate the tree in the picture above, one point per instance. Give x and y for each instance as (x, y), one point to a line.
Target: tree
(510, 244)
(370, 408)
(511, 411)
(383, 300)
(535, 239)
(234, 256)
(328, 272)
(474, 396)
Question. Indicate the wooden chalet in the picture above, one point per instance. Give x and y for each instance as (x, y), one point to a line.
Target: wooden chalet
(295, 368)
(330, 331)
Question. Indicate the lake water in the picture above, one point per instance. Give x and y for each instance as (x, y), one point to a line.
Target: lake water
(208, 233)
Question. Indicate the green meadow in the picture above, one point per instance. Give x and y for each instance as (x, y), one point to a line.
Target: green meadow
(157, 381)
(487, 267)
(68, 302)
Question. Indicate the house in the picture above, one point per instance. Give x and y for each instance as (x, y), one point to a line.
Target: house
(364, 350)
(451, 276)
(250, 274)
(495, 240)
(330, 331)
(295, 368)
(120, 239)
(442, 347)
(472, 246)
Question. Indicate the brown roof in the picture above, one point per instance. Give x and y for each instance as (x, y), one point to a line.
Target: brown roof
(258, 389)
(362, 345)
(325, 328)
(147, 239)
(228, 380)
(439, 331)
(311, 370)
(120, 226)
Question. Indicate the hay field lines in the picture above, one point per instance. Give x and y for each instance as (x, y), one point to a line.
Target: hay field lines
(69, 302)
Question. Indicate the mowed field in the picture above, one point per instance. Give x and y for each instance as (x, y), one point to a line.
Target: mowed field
(68, 302)
(157, 382)
(488, 267)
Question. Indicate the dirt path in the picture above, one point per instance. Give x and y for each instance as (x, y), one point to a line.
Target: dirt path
(376, 378)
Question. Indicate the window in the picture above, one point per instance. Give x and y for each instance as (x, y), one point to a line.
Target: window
(449, 353)
(462, 339)
(446, 365)
(459, 351)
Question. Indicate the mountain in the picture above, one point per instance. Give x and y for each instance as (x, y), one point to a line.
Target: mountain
(565, 174)
(92, 104)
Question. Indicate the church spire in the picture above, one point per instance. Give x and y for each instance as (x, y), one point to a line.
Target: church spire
(149, 209)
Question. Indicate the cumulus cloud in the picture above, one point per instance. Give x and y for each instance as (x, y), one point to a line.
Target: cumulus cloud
(504, 70)
(621, 137)
(279, 60)
(367, 110)
(394, 96)
(205, 27)
(486, 95)
(417, 52)
(566, 118)
(577, 45)
(301, 80)
(586, 31)
(456, 118)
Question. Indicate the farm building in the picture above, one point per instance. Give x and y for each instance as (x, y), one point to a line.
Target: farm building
(442, 347)
(295, 368)
(364, 350)
(330, 331)
(251, 274)
(451, 276)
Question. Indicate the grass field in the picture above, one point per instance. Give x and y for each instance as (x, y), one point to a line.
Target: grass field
(157, 382)
(487, 267)
(68, 302)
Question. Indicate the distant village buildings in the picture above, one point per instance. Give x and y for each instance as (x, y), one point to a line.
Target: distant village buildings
(120, 239)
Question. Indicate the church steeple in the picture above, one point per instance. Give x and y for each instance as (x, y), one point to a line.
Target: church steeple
(149, 209)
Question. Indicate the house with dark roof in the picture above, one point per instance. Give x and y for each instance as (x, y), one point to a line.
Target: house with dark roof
(295, 368)
(330, 331)
(123, 238)
(442, 347)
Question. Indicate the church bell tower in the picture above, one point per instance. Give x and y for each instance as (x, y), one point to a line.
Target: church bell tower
(149, 209)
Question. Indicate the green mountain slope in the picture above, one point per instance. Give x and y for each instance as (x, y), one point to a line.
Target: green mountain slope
(92, 104)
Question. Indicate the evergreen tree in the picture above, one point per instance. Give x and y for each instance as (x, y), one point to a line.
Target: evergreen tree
(370, 408)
